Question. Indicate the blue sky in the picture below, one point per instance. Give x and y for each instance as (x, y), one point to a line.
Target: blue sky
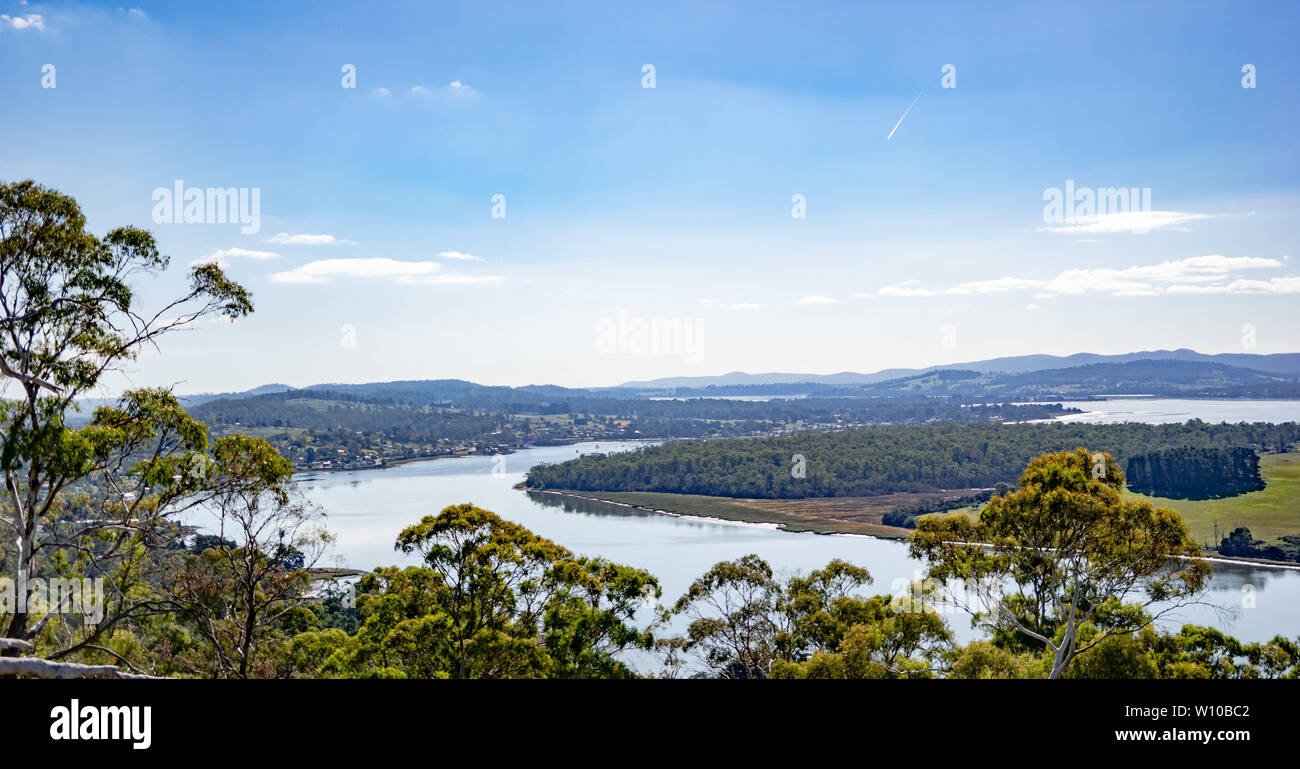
(673, 204)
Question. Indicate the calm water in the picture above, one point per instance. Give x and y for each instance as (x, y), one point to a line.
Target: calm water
(366, 509)
(1167, 410)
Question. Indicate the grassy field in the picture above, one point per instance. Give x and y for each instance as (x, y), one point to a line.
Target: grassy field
(839, 515)
(1268, 514)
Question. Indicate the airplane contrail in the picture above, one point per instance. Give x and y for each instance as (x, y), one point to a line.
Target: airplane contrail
(900, 120)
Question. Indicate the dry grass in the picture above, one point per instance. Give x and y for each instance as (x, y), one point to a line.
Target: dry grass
(826, 515)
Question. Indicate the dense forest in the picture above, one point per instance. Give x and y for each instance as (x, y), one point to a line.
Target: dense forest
(1195, 472)
(880, 460)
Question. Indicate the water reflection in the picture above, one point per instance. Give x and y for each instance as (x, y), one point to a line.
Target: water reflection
(583, 506)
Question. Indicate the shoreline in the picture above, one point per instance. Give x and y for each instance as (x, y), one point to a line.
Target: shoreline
(411, 460)
(769, 525)
(777, 526)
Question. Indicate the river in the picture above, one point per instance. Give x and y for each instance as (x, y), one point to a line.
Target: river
(366, 509)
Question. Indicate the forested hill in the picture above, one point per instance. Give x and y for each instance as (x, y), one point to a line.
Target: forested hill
(880, 460)
(1154, 377)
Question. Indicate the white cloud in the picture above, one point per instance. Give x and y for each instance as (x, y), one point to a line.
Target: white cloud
(460, 256)
(137, 13)
(1208, 274)
(995, 286)
(29, 21)
(867, 295)
(382, 92)
(816, 300)
(1136, 222)
(419, 90)
(306, 240)
(431, 273)
(244, 252)
(1288, 285)
(459, 87)
(905, 290)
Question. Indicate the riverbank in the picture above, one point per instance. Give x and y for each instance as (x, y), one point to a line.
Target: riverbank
(466, 454)
(833, 515)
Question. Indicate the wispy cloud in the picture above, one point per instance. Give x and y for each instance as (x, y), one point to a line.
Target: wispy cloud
(306, 240)
(903, 290)
(1287, 285)
(745, 306)
(456, 87)
(460, 256)
(243, 252)
(1210, 274)
(1136, 222)
(429, 273)
(816, 300)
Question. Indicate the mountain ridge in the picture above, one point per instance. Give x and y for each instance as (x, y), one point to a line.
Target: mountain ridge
(1285, 364)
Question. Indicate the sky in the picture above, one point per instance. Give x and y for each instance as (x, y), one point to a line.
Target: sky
(589, 193)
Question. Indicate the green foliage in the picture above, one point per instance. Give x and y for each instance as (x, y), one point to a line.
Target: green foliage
(744, 623)
(69, 315)
(493, 600)
(1074, 547)
(243, 599)
(1240, 544)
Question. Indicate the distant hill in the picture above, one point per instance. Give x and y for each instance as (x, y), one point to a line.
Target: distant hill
(1158, 377)
(196, 399)
(1284, 364)
(1166, 377)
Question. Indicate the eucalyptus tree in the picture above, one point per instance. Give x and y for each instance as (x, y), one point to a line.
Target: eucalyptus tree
(744, 622)
(1065, 552)
(69, 315)
(490, 599)
(241, 594)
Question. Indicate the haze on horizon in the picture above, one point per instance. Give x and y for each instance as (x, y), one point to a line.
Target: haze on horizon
(501, 197)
